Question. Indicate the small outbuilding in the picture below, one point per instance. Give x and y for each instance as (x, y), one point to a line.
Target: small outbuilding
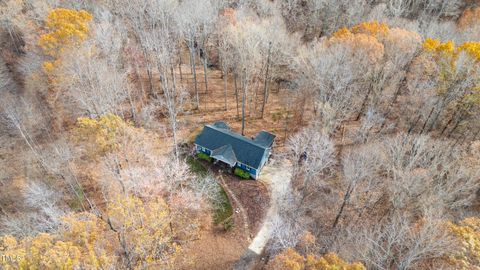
(219, 142)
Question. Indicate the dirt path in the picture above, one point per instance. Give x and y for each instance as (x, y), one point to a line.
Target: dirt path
(239, 207)
(277, 177)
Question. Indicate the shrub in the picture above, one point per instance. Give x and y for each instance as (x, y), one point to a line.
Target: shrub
(241, 173)
(204, 156)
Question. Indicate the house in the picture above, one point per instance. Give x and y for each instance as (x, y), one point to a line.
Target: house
(222, 144)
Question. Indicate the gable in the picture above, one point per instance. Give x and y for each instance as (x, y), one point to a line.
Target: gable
(226, 154)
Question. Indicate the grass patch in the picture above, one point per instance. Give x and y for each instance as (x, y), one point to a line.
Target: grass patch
(77, 203)
(241, 173)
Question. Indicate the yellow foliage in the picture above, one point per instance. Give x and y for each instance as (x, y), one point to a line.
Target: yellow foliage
(468, 234)
(145, 230)
(66, 28)
(445, 50)
(472, 49)
(446, 55)
(87, 231)
(292, 260)
(287, 260)
(331, 261)
(141, 232)
(102, 133)
(449, 51)
(371, 28)
(70, 249)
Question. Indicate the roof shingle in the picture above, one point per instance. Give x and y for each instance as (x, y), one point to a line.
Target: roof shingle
(246, 151)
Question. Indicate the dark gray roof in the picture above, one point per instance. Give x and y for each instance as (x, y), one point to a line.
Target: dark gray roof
(264, 138)
(246, 151)
(225, 153)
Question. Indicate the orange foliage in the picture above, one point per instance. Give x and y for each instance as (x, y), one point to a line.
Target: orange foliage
(368, 28)
(371, 28)
(342, 33)
(362, 45)
(365, 37)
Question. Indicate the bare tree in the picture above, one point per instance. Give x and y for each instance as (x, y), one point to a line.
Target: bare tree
(195, 19)
(42, 212)
(246, 52)
(10, 14)
(336, 75)
(5, 78)
(92, 83)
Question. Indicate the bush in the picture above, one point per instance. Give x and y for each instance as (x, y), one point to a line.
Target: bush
(241, 173)
(204, 156)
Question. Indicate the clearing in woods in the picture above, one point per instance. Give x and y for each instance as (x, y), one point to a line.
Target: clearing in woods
(217, 248)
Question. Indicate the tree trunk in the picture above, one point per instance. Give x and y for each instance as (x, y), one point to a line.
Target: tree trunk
(236, 92)
(142, 85)
(194, 72)
(133, 110)
(265, 88)
(244, 97)
(448, 123)
(169, 96)
(149, 72)
(364, 104)
(426, 120)
(225, 87)
(413, 124)
(180, 65)
(285, 133)
(205, 70)
(457, 124)
(437, 115)
(344, 203)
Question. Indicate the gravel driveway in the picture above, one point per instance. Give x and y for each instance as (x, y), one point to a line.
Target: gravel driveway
(277, 177)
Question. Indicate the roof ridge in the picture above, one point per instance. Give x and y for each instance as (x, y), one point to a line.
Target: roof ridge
(238, 136)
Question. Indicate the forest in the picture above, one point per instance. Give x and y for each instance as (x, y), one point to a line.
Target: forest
(374, 105)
